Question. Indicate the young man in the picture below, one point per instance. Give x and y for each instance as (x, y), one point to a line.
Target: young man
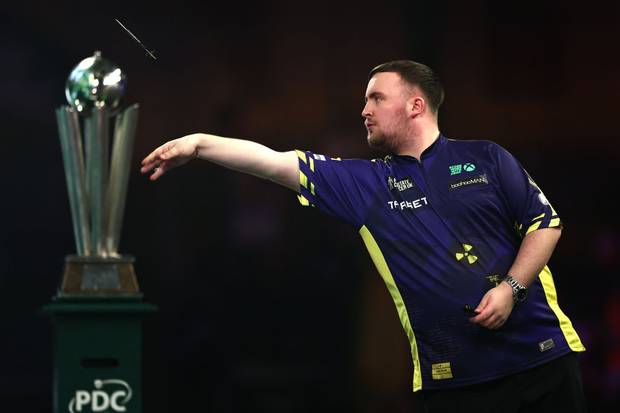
(458, 231)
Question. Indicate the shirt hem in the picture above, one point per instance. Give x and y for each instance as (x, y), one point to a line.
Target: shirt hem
(482, 379)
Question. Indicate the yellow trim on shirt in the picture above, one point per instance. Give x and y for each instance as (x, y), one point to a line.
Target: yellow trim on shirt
(552, 299)
(533, 227)
(379, 261)
(303, 179)
(303, 200)
(301, 155)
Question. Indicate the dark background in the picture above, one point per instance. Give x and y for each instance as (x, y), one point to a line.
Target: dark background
(266, 306)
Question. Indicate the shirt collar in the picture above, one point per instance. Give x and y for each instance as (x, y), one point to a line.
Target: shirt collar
(429, 152)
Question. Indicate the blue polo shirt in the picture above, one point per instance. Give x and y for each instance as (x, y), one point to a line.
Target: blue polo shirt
(442, 231)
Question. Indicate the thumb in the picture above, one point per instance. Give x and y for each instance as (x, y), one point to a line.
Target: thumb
(484, 302)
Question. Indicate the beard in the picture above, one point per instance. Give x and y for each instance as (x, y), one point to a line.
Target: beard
(389, 136)
(385, 142)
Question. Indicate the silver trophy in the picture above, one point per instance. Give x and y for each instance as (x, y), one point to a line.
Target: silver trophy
(92, 128)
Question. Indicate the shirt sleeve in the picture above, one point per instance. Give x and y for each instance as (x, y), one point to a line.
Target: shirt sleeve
(337, 187)
(528, 205)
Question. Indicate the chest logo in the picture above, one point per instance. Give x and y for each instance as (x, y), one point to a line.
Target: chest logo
(467, 254)
(401, 185)
(402, 205)
(469, 167)
(474, 180)
(459, 168)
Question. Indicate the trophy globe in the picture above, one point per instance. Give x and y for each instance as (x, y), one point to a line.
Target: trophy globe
(95, 82)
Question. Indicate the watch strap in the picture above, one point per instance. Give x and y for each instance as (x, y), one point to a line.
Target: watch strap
(519, 291)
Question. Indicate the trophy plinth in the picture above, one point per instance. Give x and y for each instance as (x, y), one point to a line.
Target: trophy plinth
(99, 277)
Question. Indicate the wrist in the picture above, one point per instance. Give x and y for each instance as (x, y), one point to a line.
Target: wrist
(201, 143)
(519, 291)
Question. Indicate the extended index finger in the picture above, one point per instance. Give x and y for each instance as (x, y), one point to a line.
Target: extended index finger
(155, 156)
(151, 157)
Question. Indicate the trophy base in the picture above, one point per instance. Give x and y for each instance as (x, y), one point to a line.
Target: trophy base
(90, 277)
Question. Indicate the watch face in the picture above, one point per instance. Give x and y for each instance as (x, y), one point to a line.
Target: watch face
(521, 294)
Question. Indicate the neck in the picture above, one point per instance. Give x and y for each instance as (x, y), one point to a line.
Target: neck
(418, 141)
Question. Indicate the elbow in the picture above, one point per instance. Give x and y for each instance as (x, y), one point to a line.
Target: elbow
(556, 232)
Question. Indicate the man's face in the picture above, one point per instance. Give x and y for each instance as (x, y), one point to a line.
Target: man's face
(385, 112)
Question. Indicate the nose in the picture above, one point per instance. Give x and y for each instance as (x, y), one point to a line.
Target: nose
(366, 111)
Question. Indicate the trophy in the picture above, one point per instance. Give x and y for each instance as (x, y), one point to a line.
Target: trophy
(98, 309)
(96, 139)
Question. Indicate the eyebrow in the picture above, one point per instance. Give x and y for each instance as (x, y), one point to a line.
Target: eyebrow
(373, 95)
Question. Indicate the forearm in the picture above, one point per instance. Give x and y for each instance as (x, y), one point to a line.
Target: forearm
(249, 157)
(534, 253)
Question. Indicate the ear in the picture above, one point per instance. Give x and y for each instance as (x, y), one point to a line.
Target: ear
(416, 105)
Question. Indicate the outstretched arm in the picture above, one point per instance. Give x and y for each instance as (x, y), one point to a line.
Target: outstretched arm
(241, 155)
(534, 253)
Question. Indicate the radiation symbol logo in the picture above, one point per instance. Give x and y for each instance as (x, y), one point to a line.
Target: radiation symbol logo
(469, 167)
(466, 254)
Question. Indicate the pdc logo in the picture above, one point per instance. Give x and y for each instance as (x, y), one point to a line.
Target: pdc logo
(115, 396)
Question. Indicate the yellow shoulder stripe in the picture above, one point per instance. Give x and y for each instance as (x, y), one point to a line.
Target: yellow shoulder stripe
(303, 200)
(303, 179)
(533, 227)
(301, 155)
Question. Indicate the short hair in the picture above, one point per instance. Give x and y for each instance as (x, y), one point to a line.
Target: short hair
(416, 74)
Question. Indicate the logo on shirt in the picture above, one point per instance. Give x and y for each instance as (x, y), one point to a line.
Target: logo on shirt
(402, 205)
(466, 254)
(441, 371)
(476, 180)
(401, 185)
(546, 345)
(494, 279)
(469, 167)
(319, 157)
(459, 168)
(541, 197)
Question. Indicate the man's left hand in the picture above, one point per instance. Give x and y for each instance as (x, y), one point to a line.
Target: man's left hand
(495, 307)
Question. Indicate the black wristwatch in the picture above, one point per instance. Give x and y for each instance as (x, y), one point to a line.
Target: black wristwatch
(519, 291)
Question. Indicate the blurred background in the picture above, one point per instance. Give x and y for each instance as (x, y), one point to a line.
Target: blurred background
(265, 306)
